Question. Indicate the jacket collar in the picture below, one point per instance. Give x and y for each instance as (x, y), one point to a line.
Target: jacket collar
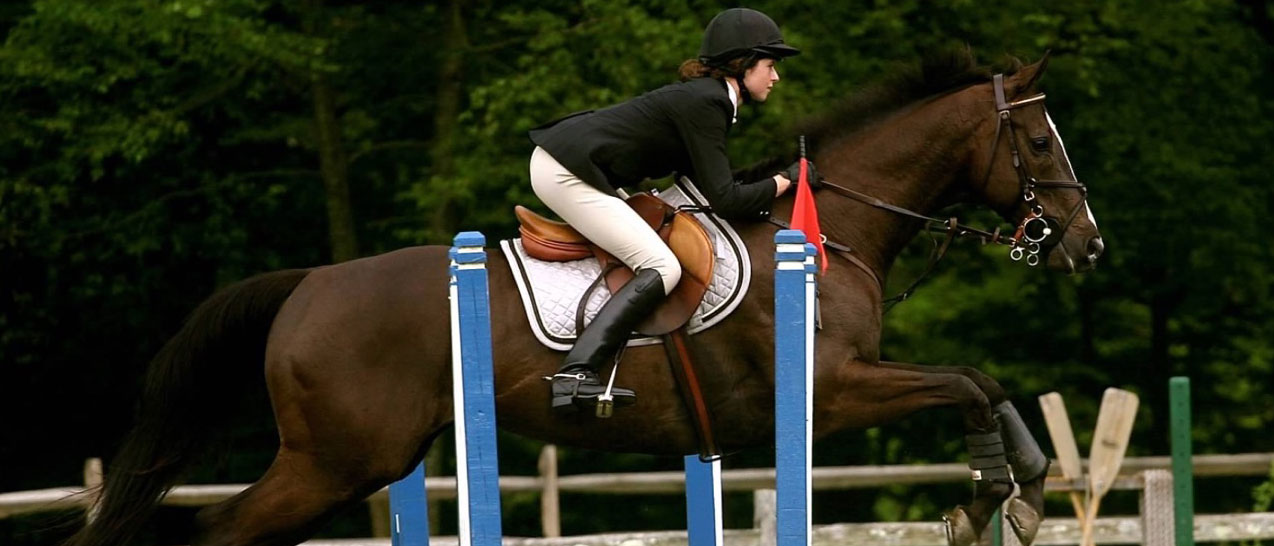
(734, 101)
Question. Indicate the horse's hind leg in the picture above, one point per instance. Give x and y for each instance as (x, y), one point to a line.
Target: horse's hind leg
(1030, 466)
(295, 497)
(869, 394)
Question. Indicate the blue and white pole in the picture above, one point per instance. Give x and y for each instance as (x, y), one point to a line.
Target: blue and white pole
(793, 385)
(408, 512)
(473, 390)
(703, 502)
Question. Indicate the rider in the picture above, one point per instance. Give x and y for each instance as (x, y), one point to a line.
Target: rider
(581, 160)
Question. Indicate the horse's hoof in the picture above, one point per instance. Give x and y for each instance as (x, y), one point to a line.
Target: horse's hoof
(1024, 520)
(960, 531)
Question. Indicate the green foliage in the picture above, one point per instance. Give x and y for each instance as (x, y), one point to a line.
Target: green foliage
(152, 150)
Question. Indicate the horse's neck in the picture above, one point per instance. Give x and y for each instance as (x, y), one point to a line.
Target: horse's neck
(913, 160)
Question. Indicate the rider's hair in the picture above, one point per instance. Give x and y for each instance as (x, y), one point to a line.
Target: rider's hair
(694, 68)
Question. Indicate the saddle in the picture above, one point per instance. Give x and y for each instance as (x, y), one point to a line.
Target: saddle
(555, 241)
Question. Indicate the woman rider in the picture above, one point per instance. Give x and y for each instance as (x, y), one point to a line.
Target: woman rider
(581, 160)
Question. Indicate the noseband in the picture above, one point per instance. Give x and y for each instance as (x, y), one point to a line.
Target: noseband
(1035, 228)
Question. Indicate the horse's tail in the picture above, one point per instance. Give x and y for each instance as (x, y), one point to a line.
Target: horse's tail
(182, 398)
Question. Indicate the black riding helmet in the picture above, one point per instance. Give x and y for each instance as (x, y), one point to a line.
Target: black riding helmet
(739, 32)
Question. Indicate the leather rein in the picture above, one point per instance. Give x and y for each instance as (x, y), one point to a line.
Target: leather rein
(1034, 229)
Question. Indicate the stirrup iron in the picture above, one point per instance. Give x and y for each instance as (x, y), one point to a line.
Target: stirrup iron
(606, 401)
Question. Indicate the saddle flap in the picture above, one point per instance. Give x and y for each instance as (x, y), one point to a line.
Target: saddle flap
(557, 241)
(691, 244)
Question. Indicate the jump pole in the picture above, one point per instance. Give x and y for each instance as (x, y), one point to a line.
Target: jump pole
(408, 510)
(703, 502)
(473, 391)
(793, 385)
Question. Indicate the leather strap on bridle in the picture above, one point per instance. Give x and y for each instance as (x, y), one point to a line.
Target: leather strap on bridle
(843, 251)
(934, 257)
(951, 226)
(1029, 183)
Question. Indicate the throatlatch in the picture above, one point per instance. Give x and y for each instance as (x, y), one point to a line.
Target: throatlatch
(1024, 454)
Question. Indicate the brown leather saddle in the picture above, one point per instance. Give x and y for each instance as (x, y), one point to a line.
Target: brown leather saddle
(554, 241)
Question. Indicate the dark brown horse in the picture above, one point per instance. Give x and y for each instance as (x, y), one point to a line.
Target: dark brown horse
(356, 355)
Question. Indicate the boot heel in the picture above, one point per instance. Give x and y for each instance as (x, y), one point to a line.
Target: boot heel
(563, 405)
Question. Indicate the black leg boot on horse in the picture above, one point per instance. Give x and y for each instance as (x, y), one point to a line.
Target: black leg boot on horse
(1030, 466)
(993, 483)
(577, 383)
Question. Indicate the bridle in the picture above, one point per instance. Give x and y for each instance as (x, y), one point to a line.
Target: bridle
(1035, 227)
(1034, 231)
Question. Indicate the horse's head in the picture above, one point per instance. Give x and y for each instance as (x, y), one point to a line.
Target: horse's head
(1023, 172)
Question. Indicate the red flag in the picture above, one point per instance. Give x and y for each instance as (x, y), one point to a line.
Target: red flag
(805, 214)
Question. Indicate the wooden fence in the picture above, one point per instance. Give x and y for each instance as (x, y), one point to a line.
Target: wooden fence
(1208, 528)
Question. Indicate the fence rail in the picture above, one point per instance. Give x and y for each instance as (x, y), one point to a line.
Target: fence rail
(638, 483)
(1230, 528)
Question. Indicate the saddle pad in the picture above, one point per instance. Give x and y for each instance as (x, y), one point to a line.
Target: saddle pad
(551, 290)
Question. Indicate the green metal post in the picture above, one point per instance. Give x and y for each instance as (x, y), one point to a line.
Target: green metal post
(1182, 461)
(997, 529)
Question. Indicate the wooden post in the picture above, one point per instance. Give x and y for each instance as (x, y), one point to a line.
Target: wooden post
(763, 510)
(550, 506)
(1156, 509)
(92, 479)
(378, 508)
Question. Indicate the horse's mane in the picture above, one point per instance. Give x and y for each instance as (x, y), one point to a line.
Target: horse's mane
(938, 72)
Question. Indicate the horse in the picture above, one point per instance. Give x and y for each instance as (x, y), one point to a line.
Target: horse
(356, 356)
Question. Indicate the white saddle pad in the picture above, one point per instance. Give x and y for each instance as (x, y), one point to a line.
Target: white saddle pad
(551, 291)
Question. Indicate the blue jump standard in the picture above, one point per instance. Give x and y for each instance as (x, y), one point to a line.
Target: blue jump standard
(474, 391)
(793, 384)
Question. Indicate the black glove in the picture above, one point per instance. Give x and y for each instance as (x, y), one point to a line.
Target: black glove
(793, 173)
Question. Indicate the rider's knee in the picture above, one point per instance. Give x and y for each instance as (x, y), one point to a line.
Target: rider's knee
(668, 267)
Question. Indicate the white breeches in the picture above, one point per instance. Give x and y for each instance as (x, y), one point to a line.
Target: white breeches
(605, 219)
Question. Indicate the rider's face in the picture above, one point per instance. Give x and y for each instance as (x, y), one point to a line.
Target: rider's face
(760, 79)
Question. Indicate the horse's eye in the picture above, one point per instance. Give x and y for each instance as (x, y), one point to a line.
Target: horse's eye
(1040, 144)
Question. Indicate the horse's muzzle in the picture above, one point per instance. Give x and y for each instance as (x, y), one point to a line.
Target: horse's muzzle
(1095, 248)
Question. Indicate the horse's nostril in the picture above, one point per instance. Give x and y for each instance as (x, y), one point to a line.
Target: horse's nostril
(1095, 248)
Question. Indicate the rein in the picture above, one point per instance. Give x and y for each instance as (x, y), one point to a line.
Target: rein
(1034, 228)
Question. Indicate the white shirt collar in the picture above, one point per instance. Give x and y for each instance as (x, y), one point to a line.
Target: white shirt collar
(734, 100)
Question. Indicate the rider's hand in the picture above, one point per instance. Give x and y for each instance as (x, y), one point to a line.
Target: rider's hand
(793, 173)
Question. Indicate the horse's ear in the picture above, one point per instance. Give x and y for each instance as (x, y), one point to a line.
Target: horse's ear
(1027, 77)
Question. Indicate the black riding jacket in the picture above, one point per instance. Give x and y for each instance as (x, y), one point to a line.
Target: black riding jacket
(679, 127)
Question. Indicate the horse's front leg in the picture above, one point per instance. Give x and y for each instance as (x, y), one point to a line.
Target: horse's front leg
(862, 395)
(1029, 464)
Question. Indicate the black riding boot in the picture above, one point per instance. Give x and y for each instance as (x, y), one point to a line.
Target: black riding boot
(576, 383)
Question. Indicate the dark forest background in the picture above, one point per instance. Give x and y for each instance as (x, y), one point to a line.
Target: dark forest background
(152, 151)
